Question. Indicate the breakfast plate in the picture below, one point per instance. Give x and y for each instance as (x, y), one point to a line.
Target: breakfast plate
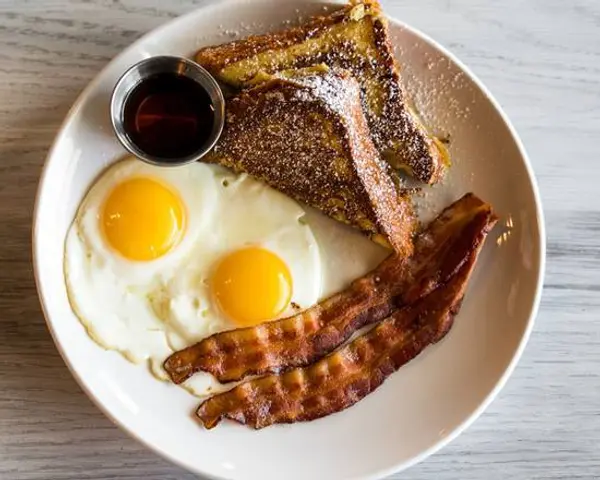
(420, 408)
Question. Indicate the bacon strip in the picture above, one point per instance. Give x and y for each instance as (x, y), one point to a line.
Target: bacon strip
(301, 339)
(343, 378)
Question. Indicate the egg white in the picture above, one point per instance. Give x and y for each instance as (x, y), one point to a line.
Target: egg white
(249, 214)
(147, 310)
(197, 190)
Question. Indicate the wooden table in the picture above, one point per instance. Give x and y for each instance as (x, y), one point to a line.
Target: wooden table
(541, 58)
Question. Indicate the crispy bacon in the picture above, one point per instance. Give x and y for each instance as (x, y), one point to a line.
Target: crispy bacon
(301, 339)
(343, 378)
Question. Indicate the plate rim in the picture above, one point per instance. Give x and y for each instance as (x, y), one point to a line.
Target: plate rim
(539, 214)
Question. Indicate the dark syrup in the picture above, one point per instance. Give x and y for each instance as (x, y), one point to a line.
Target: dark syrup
(169, 116)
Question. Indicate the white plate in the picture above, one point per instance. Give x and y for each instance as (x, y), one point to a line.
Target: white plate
(421, 407)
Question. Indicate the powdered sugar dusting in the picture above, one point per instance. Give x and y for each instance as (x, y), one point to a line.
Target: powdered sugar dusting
(444, 97)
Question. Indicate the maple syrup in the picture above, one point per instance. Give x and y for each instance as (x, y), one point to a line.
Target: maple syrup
(169, 116)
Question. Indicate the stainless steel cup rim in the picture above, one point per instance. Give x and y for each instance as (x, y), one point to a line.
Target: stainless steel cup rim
(149, 67)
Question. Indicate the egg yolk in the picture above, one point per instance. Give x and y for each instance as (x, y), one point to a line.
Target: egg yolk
(142, 219)
(252, 285)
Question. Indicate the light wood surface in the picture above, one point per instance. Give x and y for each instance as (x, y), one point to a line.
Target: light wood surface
(540, 58)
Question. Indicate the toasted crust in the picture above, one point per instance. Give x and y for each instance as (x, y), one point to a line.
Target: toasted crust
(440, 251)
(354, 38)
(343, 378)
(307, 137)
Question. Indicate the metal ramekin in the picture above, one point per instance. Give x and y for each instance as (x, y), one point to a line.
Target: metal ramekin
(157, 65)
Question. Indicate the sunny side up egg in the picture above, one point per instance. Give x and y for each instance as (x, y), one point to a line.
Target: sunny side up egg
(159, 258)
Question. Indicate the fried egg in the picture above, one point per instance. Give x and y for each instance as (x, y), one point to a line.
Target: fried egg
(159, 258)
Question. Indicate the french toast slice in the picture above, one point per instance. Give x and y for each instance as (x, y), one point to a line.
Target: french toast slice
(355, 38)
(306, 136)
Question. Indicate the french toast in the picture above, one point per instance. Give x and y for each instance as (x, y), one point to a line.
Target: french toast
(355, 38)
(306, 136)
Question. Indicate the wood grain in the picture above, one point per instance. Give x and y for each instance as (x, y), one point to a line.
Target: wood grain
(541, 59)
